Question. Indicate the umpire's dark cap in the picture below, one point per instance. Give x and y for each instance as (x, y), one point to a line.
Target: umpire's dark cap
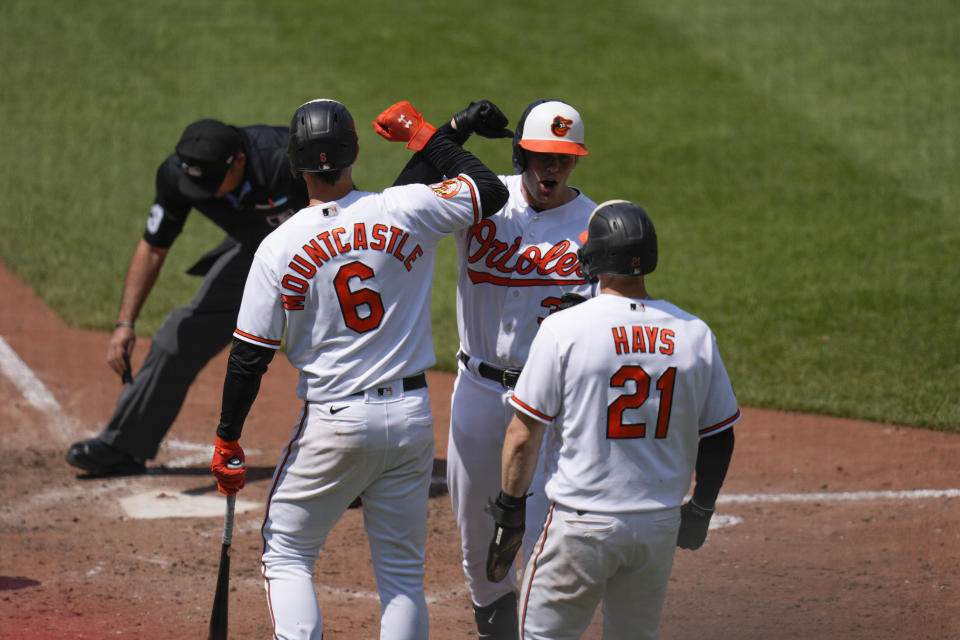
(206, 150)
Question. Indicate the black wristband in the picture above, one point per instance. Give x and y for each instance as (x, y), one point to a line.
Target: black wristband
(511, 503)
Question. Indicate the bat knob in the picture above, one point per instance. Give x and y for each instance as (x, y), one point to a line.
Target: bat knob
(234, 463)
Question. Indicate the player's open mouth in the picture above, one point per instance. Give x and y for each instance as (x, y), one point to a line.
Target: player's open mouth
(548, 185)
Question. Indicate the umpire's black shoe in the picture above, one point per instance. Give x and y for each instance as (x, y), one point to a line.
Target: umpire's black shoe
(98, 458)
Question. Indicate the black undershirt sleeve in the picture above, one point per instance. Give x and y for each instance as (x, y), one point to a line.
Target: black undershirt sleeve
(246, 366)
(713, 460)
(443, 156)
(418, 169)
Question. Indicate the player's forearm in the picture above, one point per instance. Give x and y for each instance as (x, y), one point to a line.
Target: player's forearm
(245, 368)
(521, 448)
(713, 460)
(142, 274)
(418, 169)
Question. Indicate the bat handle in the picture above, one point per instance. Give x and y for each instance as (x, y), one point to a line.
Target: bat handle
(228, 519)
(232, 463)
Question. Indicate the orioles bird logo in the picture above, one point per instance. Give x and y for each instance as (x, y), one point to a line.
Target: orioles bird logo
(560, 126)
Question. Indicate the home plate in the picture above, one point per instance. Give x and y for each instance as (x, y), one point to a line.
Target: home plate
(172, 504)
(721, 521)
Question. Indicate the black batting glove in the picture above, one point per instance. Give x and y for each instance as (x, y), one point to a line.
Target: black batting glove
(483, 118)
(509, 515)
(570, 299)
(694, 522)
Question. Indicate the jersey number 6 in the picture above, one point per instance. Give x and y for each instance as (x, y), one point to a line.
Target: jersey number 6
(616, 428)
(351, 302)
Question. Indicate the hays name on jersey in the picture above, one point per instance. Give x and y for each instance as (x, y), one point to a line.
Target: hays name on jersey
(643, 339)
(339, 241)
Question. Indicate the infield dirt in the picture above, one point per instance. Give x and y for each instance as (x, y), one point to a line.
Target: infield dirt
(835, 562)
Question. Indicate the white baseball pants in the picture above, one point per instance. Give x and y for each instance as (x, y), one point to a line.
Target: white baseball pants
(479, 415)
(622, 560)
(376, 447)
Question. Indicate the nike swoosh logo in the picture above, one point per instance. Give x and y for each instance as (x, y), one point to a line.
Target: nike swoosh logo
(336, 410)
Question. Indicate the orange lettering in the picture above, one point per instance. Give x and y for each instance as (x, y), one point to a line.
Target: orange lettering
(416, 253)
(298, 285)
(336, 238)
(379, 234)
(359, 236)
(293, 303)
(620, 340)
(651, 337)
(316, 253)
(638, 344)
(666, 338)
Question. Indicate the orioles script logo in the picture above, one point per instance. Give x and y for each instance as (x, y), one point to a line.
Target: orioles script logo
(509, 265)
(560, 126)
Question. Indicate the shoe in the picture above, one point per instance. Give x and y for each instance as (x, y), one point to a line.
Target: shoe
(98, 458)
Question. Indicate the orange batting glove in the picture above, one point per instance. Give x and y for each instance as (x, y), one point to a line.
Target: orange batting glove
(402, 123)
(228, 465)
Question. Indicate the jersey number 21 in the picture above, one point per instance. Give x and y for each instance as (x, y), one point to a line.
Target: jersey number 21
(616, 427)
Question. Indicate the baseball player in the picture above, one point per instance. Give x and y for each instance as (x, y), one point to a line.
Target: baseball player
(629, 396)
(514, 270)
(240, 179)
(347, 282)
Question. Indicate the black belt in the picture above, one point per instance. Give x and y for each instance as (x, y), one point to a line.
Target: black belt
(412, 383)
(506, 377)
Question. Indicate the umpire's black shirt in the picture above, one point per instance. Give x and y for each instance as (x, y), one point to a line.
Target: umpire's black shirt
(268, 194)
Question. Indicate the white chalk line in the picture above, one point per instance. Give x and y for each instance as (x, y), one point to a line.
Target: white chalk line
(24, 379)
(838, 496)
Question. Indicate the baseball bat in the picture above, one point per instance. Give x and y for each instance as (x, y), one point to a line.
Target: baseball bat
(218, 617)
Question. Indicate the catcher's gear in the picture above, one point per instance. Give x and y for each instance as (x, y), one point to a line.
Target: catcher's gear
(547, 126)
(400, 122)
(483, 118)
(509, 515)
(694, 522)
(230, 476)
(322, 138)
(570, 299)
(620, 240)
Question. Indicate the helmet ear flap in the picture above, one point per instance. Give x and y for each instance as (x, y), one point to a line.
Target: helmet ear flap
(519, 153)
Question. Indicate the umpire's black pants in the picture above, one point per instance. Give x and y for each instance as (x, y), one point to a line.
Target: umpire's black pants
(188, 338)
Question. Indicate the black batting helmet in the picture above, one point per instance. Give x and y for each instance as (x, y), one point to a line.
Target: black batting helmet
(547, 126)
(620, 240)
(322, 137)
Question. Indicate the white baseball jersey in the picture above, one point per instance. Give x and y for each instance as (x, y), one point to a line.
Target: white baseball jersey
(513, 269)
(627, 388)
(335, 272)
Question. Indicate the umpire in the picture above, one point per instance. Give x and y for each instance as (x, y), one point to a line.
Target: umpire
(239, 177)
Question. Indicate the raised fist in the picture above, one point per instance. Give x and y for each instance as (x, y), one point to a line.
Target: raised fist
(402, 123)
(483, 118)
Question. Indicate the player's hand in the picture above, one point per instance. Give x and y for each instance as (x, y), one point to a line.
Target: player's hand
(402, 123)
(230, 476)
(483, 118)
(121, 343)
(509, 515)
(694, 521)
(570, 299)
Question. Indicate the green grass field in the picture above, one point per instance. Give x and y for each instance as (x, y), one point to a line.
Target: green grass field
(799, 158)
